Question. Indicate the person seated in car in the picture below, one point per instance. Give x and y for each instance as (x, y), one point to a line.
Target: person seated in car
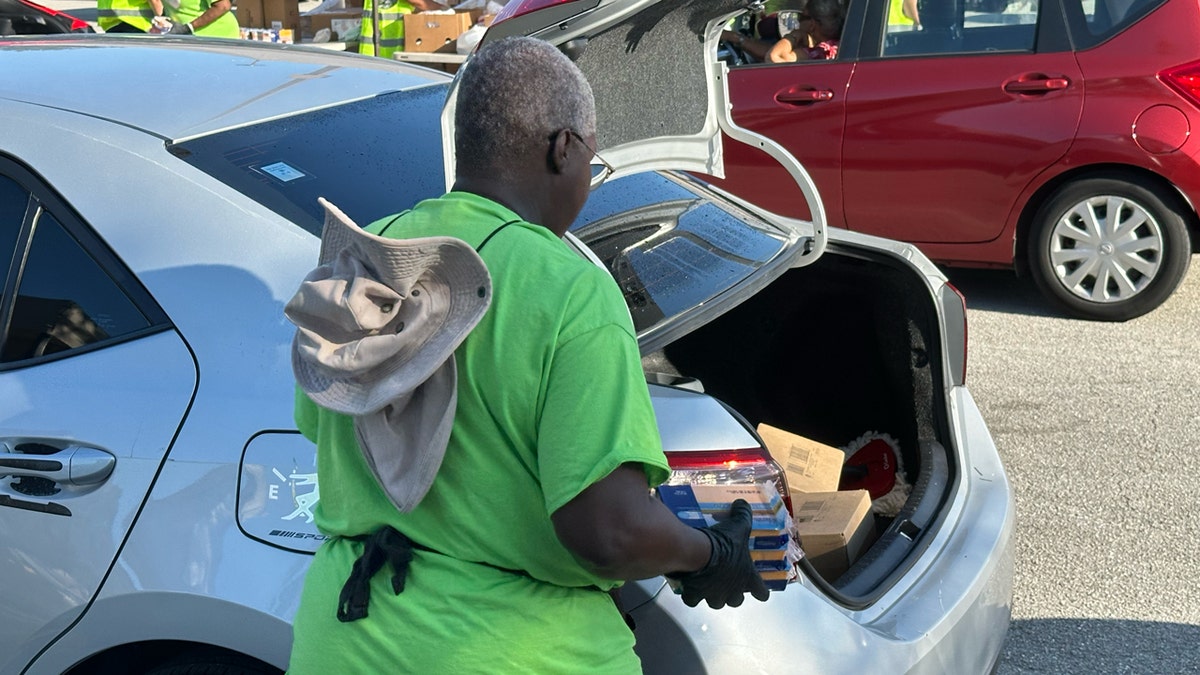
(816, 37)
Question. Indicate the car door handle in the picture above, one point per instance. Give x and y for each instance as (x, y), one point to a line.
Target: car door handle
(1037, 84)
(74, 465)
(803, 95)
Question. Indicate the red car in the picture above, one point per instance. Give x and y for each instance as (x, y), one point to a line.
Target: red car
(1053, 137)
(21, 17)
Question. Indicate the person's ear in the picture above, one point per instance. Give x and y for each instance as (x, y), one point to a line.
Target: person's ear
(559, 147)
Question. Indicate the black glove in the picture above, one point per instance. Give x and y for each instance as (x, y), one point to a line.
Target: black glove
(180, 28)
(730, 572)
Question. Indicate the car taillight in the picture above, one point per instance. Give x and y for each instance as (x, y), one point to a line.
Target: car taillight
(1184, 80)
(516, 8)
(728, 467)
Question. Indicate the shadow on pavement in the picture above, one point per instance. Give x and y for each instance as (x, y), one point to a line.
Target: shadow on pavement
(1091, 646)
(999, 291)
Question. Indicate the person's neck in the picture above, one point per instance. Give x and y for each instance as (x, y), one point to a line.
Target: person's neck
(523, 202)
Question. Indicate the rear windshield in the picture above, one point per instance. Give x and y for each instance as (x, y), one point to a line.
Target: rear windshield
(372, 158)
(671, 245)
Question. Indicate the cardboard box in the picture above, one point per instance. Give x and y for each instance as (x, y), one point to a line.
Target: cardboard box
(345, 25)
(833, 528)
(809, 466)
(249, 13)
(285, 13)
(434, 32)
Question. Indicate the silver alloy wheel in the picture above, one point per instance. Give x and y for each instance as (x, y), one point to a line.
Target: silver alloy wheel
(1106, 249)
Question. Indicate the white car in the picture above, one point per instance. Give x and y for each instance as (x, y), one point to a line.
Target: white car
(158, 208)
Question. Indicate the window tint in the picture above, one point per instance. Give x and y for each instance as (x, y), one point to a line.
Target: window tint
(670, 248)
(1093, 21)
(14, 199)
(377, 156)
(64, 299)
(962, 27)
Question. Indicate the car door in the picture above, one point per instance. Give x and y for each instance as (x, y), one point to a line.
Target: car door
(947, 124)
(94, 384)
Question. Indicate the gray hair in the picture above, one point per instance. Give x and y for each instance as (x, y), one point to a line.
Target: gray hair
(513, 95)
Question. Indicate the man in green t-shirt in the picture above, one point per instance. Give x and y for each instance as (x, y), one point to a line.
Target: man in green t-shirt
(541, 503)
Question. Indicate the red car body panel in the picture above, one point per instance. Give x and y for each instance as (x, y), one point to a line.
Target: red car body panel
(934, 150)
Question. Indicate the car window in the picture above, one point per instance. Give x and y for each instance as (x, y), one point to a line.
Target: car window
(670, 247)
(962, 27)
(64, 299)
(14, 200)
(1094, 21)
(377, 156)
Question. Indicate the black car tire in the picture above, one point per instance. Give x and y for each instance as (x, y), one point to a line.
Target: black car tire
(1092, 271)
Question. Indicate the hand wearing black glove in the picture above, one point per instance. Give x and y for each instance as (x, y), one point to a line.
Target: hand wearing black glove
(730, 572)
(178, 28)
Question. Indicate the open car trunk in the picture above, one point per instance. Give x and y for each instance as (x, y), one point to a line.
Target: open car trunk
(831, 351)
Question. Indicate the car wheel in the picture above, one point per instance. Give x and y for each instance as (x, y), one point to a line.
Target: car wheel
(205, 662)
(1109, 249)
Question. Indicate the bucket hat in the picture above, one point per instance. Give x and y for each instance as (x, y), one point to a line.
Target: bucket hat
(377, 322)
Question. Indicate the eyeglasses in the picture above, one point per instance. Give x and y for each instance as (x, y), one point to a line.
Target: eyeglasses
(601, 169)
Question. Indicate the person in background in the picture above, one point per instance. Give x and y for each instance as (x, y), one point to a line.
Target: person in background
(391, 24)
(541, 505)
(202, 18)
(903, 13)
(127, 16)
(817, 37)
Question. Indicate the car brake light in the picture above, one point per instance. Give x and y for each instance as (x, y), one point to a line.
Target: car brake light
(728, 467)
(1184, 80)
(516, 8)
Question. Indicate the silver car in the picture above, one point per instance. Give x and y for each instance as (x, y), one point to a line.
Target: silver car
(157, 209)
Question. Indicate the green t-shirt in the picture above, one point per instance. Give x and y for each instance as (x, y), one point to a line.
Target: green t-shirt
(551, 398)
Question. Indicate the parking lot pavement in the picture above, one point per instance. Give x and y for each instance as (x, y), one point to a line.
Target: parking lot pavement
(1096, 425)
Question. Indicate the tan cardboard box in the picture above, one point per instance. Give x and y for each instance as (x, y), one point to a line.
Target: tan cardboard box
(249, 14)
(434, 32)
(284, 12)
(810, 466)
(345, 25)
(833, 528)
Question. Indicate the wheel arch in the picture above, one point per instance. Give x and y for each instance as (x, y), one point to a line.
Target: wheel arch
(149, 655)
(145, 626)
(1115, 171)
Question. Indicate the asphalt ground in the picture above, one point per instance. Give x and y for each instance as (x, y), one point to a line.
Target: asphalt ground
(1099, 428)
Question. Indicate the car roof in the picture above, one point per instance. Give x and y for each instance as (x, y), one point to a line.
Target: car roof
(138, 81)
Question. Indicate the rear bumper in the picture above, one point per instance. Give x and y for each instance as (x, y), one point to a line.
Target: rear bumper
(949, 614)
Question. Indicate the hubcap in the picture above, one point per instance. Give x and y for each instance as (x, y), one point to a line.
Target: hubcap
(1106, 249)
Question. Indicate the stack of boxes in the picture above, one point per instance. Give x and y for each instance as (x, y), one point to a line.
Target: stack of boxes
(828, 526)
(705, 505)
(269, 20)
(833, 527)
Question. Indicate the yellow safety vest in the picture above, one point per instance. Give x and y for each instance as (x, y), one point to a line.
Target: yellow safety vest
(226, 25)
(136, 13)
(391, 28)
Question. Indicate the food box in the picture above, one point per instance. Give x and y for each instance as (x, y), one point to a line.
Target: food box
(705, 505)
(809, 466)
(833, 528)
(434, 31)
(345, 25)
